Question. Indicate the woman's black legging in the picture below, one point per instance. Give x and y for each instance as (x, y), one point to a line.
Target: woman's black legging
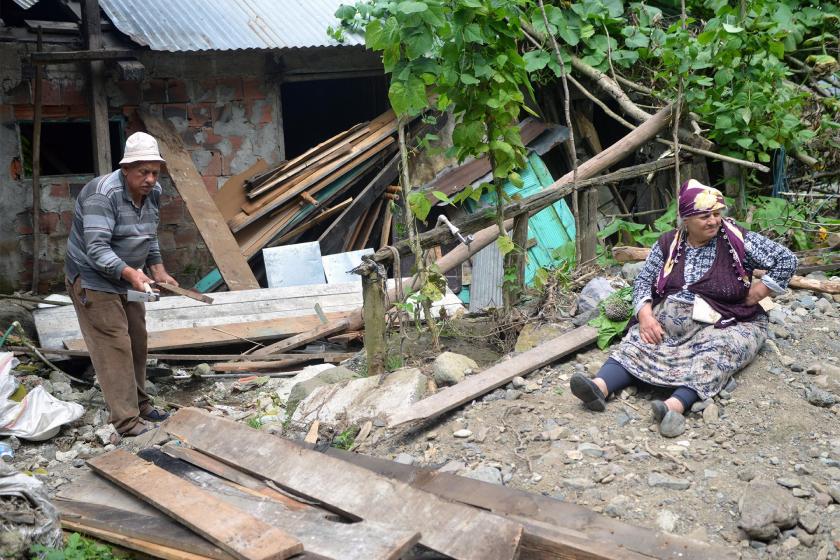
(617, 378)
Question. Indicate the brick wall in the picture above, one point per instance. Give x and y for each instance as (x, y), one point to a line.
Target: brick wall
(226, 124)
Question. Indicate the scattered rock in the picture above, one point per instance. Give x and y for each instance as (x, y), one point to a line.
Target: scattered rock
(660, 480)
(766, 509)
(809, 521)
(779, 332)
(700, 406)
(485, 474)
(630, 270)
(462, 434)
(711, 414)
(789, 482)
(673, 425)
(591, 450)
(820, 397)
(618, 506)
(404, 459)
(106, 434)
(534, 334)
(203, 369)
(450, 368)
(304, 388)
(578, 483)
(518, 382)
(667, 521)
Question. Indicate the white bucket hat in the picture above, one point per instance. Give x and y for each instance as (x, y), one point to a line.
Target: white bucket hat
(141, 147)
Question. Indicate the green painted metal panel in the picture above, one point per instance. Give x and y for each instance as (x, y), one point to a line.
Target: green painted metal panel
(553, 228)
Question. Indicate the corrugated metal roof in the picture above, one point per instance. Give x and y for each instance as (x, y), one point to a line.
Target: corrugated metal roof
(25, 4)
(199, 25)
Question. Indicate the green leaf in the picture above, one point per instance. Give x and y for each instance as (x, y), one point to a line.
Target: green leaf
(419, 205)
(723, 76)
(472, 33)
(468, 79)
(729, 28)
(442, 197)
(505, 244)
(744, 142)
(411, 7)
(536, 60)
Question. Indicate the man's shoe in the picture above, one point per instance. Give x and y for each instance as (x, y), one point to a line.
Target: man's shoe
(154, 415)
(141, 427)
(586, 390)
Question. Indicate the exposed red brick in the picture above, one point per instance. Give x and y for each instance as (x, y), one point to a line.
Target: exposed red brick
(211, 139)
(130, 91)
(77, 112)
(253, 88)
(60, 190)
(175, 110)
(210, 183)
(176, 91)
(66, 222)
(200, 114)
(48, 222)
(72, 92)
(50, 92)
(204, 90)
(172, 212)
(154, 91)
(23, 223)
(267, 116)
(214, 168)
(234, 84)
(24, 112)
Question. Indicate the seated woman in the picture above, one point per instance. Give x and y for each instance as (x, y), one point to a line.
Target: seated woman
(697, 318)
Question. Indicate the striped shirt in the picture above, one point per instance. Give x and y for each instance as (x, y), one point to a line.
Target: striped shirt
(109, 233)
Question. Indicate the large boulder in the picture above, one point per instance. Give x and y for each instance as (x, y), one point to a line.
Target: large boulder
(532, 335)
(450, 368)
(767, 509)
(357, 400)
(327, 377)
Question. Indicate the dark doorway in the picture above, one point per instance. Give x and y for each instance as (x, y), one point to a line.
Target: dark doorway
(66, 147)
(316, 110)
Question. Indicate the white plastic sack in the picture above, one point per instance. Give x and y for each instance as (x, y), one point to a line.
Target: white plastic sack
(44, 529)
(38, 416)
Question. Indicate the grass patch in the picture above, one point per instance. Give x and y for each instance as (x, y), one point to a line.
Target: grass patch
(76, 548)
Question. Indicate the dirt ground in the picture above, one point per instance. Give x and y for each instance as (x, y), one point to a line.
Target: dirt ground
(534, 435)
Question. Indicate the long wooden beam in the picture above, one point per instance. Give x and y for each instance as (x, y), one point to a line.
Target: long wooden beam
(80, 56)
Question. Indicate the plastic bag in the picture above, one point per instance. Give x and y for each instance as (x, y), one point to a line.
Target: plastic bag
(23, 524)
(38, 416)
(596, 291)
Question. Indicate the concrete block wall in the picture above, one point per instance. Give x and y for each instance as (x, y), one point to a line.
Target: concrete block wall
(226, 122)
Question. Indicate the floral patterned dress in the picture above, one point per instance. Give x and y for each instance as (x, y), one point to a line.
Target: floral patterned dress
(694, 354)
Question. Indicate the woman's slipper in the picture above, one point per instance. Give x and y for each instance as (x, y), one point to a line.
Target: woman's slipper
(659, 410)
(586, 390)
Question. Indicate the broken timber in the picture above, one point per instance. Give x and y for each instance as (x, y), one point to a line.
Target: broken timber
(209, 221)
(484, 237)
(632, 254)
(496, 376)
(236, 532)
(348, 489)
(534, 510)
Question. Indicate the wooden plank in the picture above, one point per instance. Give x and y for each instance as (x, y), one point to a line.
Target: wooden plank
(495, 376)
(231, 196)
(98, 103)
(532, 510)
(363, 151)
(456, 530)
(325, 356)
(226, 334)
(306, 337)
(310, 223)
(321, 532)
(146, 547)
(370, 221)
(385, 234)
(81, 56)
(183, 292)
(279, 364)
(333, 237)
(236, 532)
(151, 529)
(209, 221)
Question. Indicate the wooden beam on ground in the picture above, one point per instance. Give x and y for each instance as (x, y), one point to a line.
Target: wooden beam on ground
(209, 221)
(145, 533)
(496, 376)
(184, 292)
(635, 254)
(241, 535)
(328, 357)
(279, 364)
(458, 531)
(80, 56)
(532, 509)
(201, 337)
(321, 331)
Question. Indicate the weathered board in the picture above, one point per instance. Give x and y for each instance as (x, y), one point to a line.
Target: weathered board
(236, 532)
(459, 531)
(209, 221)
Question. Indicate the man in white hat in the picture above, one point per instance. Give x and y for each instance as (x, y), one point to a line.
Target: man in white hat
(112, 239)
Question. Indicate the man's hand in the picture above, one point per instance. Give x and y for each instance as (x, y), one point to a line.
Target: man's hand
(160, 275)
(758, 291)
(136, 278)
(649, 328)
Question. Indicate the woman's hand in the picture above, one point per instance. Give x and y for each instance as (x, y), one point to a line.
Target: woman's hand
(758, 291)
(649, 328)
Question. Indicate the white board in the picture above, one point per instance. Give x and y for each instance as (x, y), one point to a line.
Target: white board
(294, 265)
(337, 266)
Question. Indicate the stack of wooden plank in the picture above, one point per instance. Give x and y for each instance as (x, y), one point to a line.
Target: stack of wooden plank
(227, 491)
(265, 207)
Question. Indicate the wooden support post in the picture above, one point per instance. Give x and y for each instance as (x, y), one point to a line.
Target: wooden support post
(100, 135)
(519, 256)
(36, 174)
(373, 297)
(588, 224)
